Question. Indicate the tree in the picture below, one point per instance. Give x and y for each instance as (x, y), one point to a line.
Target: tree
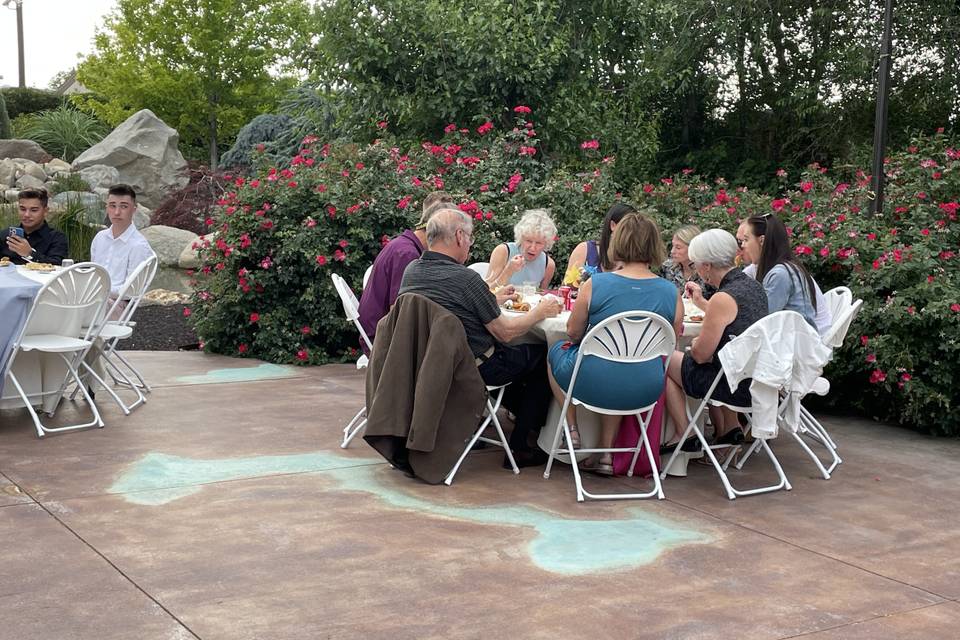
(203, 66)
(588, 69)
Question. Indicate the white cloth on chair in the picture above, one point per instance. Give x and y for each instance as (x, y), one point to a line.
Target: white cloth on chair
(780, 351)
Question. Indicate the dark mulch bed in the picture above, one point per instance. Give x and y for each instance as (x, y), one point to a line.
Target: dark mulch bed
(160, 328)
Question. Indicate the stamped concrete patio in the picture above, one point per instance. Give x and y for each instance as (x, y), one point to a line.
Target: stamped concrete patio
(225, 509)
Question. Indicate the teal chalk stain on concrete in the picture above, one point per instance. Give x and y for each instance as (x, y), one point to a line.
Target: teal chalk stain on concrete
(244, 374)
(561, 545)
(159, 478)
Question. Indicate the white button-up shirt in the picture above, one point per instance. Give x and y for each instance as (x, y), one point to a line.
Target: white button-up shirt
(120, 256)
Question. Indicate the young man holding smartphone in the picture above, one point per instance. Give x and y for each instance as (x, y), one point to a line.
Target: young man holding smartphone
(34, 240)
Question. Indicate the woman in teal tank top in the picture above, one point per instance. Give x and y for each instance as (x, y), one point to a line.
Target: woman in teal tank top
(615, 385)
(526, 259)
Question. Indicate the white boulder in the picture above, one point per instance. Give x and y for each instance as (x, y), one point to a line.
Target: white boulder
(23, 149)
(168, 242)
(8, 173)
(143, 150)
(27, 181)
(100, 176)
(56, 166)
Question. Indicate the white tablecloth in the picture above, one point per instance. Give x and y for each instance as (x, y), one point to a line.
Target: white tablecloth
(40, 374)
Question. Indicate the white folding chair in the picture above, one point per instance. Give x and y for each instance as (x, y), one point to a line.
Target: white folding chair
(760, 443)
(628, 337)
(838, 299)
(119, 326)
(494, 398)
(366, 275)
(481, 268)
(65, 319)
(809, 426)
(351, 309)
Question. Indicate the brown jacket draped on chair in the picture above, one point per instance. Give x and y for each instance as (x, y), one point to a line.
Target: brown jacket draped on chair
(425, 397)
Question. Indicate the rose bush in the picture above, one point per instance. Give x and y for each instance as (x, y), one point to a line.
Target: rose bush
(900, 359)
(264, 289)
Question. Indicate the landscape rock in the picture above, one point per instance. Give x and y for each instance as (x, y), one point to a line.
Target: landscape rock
(30, 168)
(190, 256)
(10, 195)
(163, 297)
(56, 166)
(26, 181)
(8, 173)
(24, 149)
(143, 150)
(100, 176)
(168, 242)
(90, 200)
(141, 217)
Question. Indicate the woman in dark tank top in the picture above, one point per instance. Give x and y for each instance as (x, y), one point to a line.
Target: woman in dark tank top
(738, 302)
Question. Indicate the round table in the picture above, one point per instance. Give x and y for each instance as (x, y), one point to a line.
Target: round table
(40, 374)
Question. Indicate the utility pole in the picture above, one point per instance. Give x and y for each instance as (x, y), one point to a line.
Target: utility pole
(17, 5)
(880, 123)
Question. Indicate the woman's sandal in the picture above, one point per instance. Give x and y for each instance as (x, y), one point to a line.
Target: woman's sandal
(599, 467)
(574, 436)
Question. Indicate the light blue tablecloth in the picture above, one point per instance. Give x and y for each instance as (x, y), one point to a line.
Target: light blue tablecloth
(16, 296)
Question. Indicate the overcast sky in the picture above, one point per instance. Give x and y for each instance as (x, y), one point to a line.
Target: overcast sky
(55, 32)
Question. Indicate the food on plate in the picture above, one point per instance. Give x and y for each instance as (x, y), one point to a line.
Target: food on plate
(5, 262)
(39, 266)
(516, 306)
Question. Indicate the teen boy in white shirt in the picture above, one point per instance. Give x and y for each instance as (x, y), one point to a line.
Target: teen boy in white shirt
(120, 248)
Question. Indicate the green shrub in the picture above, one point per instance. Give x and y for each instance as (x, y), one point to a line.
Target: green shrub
(265, 289)
(5, 130)
(71, 221)
(29, 100)
(63, 132)
(69, 182)
(900, 358)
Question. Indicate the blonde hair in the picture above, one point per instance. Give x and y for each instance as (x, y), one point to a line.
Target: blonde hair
(636, 239)
(687, 233)
(535, 223)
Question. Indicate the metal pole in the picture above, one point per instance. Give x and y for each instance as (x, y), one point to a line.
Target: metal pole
(880, 123)
(23, 77)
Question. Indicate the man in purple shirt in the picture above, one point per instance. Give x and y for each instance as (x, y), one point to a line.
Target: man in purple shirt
(381, 290)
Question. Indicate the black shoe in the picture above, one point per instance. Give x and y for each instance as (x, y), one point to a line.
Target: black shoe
(690, 445)
(529, 458)
(732, 437)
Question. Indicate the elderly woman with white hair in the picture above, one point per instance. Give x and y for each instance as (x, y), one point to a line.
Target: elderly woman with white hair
(525, 260)
(738, 302)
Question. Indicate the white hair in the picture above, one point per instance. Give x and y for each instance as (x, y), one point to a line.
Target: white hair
(716, 247)
(444, 224)
(535, 223)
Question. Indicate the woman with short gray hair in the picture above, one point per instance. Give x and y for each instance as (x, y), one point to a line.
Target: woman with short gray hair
(738, 302)
(525, 260)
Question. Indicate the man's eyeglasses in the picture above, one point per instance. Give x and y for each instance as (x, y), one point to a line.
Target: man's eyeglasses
(468, 236)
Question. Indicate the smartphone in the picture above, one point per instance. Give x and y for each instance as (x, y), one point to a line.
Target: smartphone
(15, 231)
